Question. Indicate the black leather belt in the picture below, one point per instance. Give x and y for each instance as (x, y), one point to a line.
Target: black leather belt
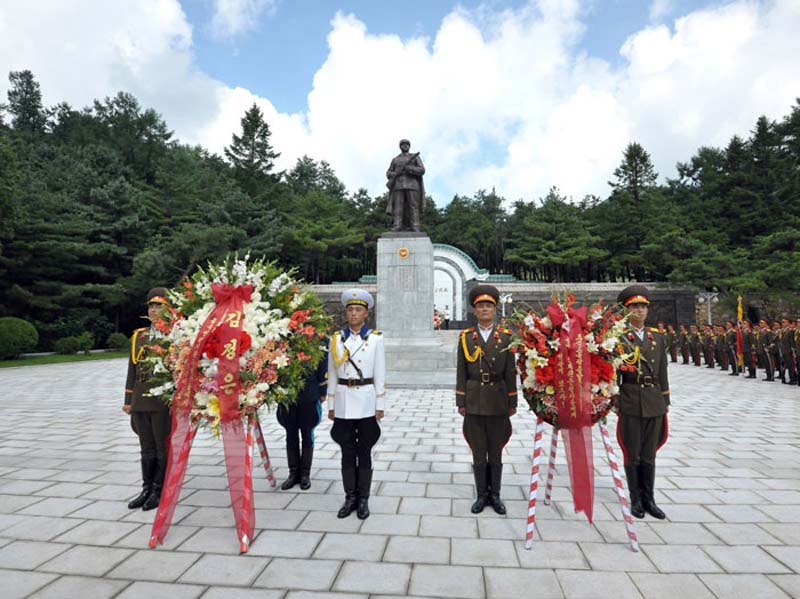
(643, 381)
(488, 377)
(355, 382)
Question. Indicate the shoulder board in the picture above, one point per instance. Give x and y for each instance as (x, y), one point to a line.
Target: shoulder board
(376, 333)
(653, 330)
(469, 330)
(506, 331)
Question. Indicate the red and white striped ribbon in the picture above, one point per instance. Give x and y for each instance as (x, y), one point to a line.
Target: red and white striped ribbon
(247, 499)
(623, 497)
(537, 455)
(262, 448)
(551, 466)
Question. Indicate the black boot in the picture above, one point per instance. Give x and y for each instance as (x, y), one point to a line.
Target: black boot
(305, 467)
(481, 488)
(637, 511)
(647, 479)
(293, 461)
(495, 482)
(158, 483)
(350, 499)
(364, 483)
(148, 469)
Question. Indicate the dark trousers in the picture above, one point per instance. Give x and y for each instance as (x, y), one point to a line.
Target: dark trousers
(486, 437)
(640, 438)
(300, 419)
(153, 430)
(356, 438)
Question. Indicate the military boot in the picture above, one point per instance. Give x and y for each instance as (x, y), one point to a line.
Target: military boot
(495, 482)
(350, 497)
(305, 467)
(364, 484)
(647, 479)
(637, 511)
(158, 483)
(293, 461)
(148, 470)
(481, 488)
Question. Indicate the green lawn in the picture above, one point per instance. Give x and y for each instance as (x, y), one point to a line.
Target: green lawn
(59, 359)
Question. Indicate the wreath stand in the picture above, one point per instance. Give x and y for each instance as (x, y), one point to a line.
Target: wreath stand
(551, 468)
(253, 433)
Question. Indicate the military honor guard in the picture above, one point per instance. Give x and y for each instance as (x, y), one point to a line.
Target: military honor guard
(150, 418)
(672, 343)
(356, 398)
(749, 349)
(301, 418)
(643, 403)
(486, 395)
(683, 343)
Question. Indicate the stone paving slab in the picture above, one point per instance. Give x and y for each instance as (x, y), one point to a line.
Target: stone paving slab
(730, 487)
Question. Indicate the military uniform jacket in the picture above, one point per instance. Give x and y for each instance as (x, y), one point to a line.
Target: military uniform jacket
(644, 393)
(365, 352)
(138, 383)
(488, 385)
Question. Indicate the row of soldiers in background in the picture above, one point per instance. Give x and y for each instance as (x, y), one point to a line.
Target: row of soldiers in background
(774, 348)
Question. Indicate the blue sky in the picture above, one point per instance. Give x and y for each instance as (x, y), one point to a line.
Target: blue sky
(278, 57)
(517, 95)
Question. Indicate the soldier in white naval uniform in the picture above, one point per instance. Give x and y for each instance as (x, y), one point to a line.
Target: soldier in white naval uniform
(357, 394)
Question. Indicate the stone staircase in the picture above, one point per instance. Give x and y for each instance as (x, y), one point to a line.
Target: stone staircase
(425, 362)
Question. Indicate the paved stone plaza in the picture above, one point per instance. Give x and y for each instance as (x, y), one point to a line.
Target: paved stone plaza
(728, 480)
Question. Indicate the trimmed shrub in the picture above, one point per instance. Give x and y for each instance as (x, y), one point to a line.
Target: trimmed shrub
(66, 345)
(118, 341)
(85, 342)
(17, 336)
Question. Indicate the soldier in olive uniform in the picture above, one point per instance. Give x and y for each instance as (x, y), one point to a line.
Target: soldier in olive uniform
(671, 338)
(486, 395)
(787, 353)
(732, 347)
(766, 342)
(749, 349)
(683, 343)
(708, 346)
(150, 418)
(643, 403)
(695, 343)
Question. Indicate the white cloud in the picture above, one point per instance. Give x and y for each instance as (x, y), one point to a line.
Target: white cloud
(234, 17)
(502, 99)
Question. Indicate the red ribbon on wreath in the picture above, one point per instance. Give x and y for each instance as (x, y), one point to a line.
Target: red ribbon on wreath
(572, 379)
(222, 336)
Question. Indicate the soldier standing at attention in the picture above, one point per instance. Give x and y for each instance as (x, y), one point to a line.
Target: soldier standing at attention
(695, 343)
(643, 403)
(301, 418)
(150, 418)
(486, 395)
(356, 398)
(749, 349)
(672, 343)
(732, 348)
(683, 336)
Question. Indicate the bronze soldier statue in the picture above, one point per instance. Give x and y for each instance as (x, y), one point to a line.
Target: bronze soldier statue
(406, 189)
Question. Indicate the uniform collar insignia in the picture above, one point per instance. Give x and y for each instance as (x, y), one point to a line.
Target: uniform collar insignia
(363, 333)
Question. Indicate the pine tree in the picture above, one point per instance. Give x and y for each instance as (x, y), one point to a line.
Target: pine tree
(25, 102)
(251, 153)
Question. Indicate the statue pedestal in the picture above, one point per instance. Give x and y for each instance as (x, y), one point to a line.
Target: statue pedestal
(416, 355)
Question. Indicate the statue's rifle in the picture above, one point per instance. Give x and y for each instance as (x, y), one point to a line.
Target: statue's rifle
(390, 182)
